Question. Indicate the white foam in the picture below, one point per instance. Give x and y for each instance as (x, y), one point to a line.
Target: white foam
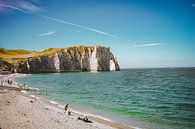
(61, 106)
(88, 114)
(53, 102)
(23, 91)
(100, 117)
(94, 71)
(34, 96)
(136, 128)
(97, 116)
(19, 75)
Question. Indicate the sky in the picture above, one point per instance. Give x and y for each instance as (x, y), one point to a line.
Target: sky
(140, 33)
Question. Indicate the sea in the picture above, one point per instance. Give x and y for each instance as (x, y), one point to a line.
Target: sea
(153, 98)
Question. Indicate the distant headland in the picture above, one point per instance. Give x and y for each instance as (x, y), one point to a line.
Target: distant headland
(77, 58)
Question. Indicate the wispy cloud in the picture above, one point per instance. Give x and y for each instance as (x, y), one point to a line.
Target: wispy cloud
(47, 34)
(15, 8)
(147, 45)
(29, 8)
(20, 5)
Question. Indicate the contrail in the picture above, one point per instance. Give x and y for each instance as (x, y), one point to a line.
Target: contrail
(147, 45)
(77, 25)
(62, 21)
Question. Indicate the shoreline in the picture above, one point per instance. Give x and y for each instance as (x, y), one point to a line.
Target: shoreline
(58, 107)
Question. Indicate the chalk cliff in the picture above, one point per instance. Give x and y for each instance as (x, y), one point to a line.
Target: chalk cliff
(80, 58)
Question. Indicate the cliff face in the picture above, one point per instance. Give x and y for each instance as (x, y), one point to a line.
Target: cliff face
(6, 66)
(81, 58)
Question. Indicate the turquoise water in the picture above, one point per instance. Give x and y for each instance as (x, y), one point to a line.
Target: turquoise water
(149, 98)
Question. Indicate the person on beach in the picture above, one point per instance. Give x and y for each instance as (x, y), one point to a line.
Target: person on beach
(66, 110)
(85, 119)
(10, 82)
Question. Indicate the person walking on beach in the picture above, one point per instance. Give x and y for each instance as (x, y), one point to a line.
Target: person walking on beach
(66, 111)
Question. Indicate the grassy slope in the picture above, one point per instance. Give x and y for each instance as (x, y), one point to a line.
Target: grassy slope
(10, 55)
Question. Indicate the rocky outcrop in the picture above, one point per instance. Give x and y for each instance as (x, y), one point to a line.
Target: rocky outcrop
(5, 66)
(80, 58)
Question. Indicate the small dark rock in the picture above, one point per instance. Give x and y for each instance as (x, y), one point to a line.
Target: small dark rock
(7, 103)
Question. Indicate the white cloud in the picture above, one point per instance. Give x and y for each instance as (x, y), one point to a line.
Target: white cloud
(147, 45)
(15, 8)
(20, 5)
(32, 10)
(28, 6)
(47, 34)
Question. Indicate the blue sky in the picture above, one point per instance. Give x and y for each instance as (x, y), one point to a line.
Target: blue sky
(141, 33)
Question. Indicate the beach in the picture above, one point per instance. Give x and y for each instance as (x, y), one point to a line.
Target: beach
(131, 98)
(19, 110)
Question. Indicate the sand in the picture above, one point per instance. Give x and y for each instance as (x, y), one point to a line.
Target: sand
(19, 110)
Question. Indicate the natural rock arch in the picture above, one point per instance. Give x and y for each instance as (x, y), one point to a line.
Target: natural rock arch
(113, 63)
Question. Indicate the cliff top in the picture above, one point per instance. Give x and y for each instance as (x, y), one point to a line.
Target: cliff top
(10, 55)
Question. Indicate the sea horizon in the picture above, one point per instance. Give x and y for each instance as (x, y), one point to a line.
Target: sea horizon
(122, 68)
